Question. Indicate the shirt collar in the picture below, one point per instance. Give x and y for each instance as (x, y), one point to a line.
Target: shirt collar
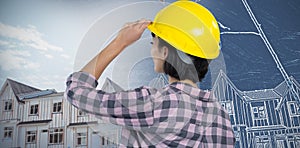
(204, 95)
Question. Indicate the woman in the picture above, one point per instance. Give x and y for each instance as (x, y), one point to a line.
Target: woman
(185, 39)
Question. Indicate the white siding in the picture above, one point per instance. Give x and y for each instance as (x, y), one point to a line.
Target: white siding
(69, 120)
(8, 95)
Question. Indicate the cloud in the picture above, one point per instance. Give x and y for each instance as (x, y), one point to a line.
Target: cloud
(16, 60)
(8, 44)
(48, 56)
(28, 36)
(4, 43)
(65, 56)
(56, 81)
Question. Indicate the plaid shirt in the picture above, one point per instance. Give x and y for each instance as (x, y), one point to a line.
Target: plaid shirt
(177, 115)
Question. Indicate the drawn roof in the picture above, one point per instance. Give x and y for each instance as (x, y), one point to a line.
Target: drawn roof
(277, 92)
(262, 94)
(110, 86)
(282, 88)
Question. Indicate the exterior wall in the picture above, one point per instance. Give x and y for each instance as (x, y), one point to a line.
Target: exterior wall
(256, 121)
(8, 95)
(22, 121)
(9, 117)
(8, 141)
(41, 136)
(77, 116)
(232, 100)
(45, 109)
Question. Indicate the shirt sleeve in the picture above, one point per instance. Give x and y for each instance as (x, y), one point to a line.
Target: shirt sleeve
(133, 108)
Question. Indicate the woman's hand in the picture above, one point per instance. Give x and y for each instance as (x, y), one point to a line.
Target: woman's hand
(131, 32)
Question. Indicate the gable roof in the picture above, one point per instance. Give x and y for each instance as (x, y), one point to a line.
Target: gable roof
(110, 86)
(277, 92)
(224, 82)
(35, 94)
(19, 88)
(262, 94)
(283, 89)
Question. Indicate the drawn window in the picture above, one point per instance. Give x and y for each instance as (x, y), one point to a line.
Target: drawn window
(259, 112)
(236, 134)
(57, 107)
(34, 109)
(8, 131)
(297, 144)
(31, 137)
(228, 107)
(56, 136)
(81, 139)
(294, 108)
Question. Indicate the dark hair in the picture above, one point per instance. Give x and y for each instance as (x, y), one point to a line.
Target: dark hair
(175, 67)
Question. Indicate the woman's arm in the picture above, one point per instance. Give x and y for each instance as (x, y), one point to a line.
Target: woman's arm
(133, 108)
(130, 33)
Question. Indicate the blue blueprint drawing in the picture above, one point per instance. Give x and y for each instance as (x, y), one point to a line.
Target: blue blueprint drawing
(259, 81)
(268, 115)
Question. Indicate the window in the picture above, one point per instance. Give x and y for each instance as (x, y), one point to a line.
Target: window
(56, 136)
(294, 108)
(8, 131)
(81, 139)
(237, 135)
(34, 109)
(106, 141)
(31, 137)
(228, 107)
(57, 107)
(8, 105)
(259, 112)
(297, 143)
(81, 113)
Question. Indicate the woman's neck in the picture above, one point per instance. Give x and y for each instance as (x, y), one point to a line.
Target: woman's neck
(187, 81)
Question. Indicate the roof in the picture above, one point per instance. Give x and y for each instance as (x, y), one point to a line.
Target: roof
(282, 88)
(158, 82)
(83, 123)
(266, 128)
(23, 91)
(35, 122)
(262, 94)
(36, 94)
(20, 88)
(110, 86)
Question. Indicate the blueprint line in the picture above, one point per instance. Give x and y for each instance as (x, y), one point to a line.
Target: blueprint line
(272, 52)
(231, 32)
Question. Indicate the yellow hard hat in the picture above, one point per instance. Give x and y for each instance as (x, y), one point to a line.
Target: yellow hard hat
(189, 27)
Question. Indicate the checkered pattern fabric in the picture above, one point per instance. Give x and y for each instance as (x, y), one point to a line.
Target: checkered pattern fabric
(177, 115)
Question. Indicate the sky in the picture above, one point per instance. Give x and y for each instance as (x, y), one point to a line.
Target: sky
(42, 42)
(39, 40)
